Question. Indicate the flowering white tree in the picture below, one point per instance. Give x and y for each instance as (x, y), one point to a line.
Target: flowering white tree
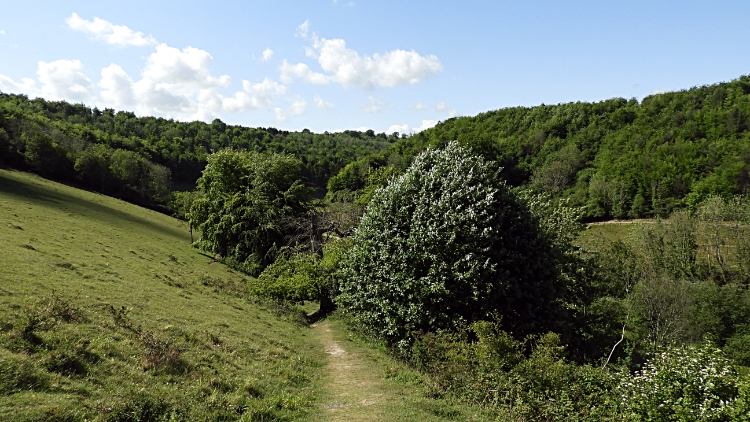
(694, 383)
(445, 244)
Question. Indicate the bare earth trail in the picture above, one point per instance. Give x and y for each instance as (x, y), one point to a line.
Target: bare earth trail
(356, 388)
(355, 393)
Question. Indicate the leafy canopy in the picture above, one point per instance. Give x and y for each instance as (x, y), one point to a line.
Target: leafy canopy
(299, 276)
(445, 244)
(247, 194)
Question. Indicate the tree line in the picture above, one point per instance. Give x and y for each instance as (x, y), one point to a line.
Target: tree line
(142, 158)
(619, 158)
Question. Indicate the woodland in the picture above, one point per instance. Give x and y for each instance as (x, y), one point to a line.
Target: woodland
(458, 249)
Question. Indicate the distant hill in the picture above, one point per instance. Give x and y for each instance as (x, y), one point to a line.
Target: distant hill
(622, 158)
(140, 158)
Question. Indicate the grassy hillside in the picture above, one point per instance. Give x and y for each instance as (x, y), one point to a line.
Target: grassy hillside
(107, 313)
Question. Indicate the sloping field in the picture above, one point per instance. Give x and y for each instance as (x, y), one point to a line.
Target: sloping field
(107, 313)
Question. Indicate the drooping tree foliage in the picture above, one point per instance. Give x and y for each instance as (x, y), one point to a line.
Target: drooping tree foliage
(246, 197)
(445, 244)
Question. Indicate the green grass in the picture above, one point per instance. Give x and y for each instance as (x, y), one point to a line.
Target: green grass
(107, 313)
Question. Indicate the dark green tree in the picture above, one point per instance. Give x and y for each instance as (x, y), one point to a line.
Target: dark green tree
(246, 198)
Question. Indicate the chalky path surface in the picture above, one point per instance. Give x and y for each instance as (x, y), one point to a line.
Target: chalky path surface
(356, 388)
(355, 391)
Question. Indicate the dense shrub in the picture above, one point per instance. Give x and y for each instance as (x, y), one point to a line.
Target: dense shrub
(297, 276)
(445, 244)
(528, 379)
(695, 383)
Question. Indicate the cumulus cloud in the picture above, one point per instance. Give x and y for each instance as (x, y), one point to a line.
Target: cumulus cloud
(117, 86)
(320, 103)
(426, 124)
(191, 66)
(418, 106)
(102, 30)
(60, 80)
(659, 91)
(347, 67)
(375, 105)
(63, 80)
(298, 107)
(26, 86)
(301, 71)
(179, 83)
(267, 54)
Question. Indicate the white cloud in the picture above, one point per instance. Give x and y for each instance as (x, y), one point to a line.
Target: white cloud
(426, 124)
(102, 30)
(301, 71)
(117, 86)
(26, 86)
(179, 83)
(345, 66)
(2, 32)
(320, 103)
(303, 29)
(254, 96)
(191, 66)
(418, 106)
(63, 80)
(60, 80)
(298, 107)
(441, 106)
(659, 91)
(267, 54)
(362, 129)
(173, 84)
(375, 105)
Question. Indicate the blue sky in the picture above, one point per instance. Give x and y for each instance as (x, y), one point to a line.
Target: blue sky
(385, 65)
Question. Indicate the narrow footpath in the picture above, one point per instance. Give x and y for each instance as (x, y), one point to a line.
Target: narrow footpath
(357, 389)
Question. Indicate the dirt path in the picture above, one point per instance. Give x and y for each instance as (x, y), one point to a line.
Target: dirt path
(355, 391)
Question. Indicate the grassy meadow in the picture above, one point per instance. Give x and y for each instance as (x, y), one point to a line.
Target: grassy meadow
(107, 313)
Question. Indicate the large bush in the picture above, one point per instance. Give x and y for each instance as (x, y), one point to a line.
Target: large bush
(445, 244)
(298, 276)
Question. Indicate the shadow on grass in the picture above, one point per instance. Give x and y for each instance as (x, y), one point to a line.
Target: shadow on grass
(46, 197)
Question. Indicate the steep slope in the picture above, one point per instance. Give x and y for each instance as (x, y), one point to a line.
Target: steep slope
(107, 313)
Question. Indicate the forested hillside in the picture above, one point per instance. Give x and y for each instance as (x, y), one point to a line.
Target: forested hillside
(622, 158)
(137, 158)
